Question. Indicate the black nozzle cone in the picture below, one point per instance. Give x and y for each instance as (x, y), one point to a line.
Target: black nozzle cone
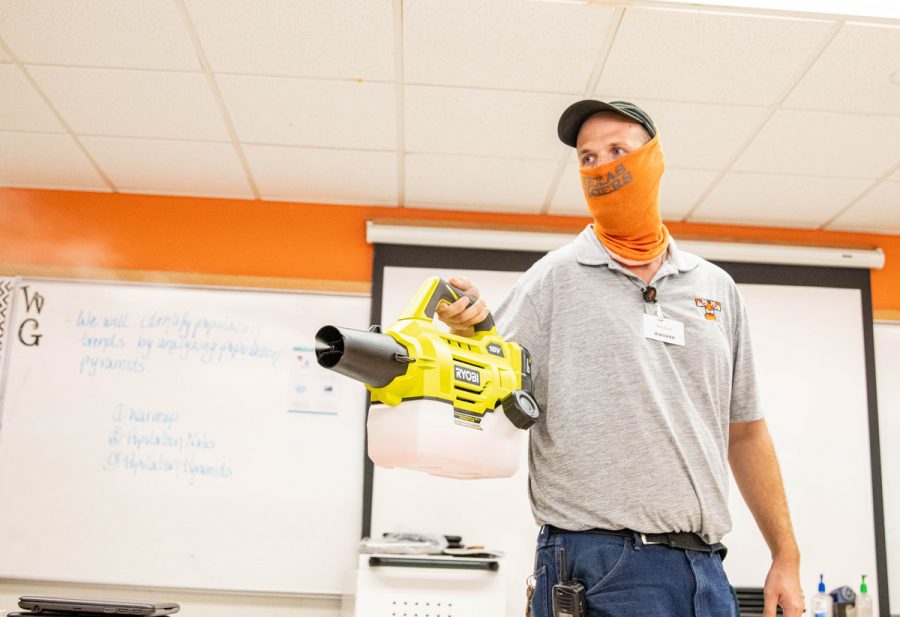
(329, 346)
(372, 358)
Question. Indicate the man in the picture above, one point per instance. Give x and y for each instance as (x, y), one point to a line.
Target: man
(644, 371)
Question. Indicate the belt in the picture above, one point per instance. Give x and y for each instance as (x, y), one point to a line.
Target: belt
(683, 540)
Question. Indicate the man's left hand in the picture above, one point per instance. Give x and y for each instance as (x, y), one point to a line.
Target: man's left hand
(755, 468)
(783, 589)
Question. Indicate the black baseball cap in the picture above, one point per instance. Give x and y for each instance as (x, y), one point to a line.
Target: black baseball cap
(575, 115)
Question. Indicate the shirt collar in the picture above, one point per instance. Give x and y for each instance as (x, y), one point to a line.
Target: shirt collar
(589, 251)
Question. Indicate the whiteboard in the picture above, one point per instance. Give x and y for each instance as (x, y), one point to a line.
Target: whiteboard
(887, 369)
(178, 437)
(814, 391)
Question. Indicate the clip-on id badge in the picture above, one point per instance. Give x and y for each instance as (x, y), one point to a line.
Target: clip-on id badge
(660, 328)
(664, 329)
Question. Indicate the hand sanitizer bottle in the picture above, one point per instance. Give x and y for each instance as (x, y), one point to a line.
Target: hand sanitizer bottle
(821, 603)
(863, 601)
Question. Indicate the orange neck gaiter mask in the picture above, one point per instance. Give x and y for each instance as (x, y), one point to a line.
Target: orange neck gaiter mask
(623, 197)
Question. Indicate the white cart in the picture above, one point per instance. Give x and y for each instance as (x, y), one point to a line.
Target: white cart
(427, 586)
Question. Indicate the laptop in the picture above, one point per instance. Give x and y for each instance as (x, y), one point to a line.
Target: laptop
(70, 606)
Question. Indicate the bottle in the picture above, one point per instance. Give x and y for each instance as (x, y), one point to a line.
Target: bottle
(821, 603)
(863, 601)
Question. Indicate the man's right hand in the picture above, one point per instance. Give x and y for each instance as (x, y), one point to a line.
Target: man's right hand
(460, 316)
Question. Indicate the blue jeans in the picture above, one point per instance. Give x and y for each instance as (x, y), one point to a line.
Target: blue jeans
(623, 577)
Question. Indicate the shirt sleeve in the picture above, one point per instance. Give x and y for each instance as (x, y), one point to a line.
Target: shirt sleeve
(745, 402)
(517, 321)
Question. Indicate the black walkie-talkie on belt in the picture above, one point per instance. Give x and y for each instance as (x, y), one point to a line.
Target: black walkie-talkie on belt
(568, 595)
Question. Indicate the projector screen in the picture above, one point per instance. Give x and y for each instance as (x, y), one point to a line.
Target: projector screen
(813, 346)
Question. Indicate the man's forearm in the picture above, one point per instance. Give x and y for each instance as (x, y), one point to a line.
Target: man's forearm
(758, 476)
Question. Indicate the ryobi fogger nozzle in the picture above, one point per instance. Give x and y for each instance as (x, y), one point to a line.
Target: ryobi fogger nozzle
(446, 404)
(366, 356)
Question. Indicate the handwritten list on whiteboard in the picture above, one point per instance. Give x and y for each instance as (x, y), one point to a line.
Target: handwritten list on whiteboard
(177, 437)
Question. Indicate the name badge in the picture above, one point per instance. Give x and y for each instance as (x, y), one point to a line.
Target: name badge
(664, 329)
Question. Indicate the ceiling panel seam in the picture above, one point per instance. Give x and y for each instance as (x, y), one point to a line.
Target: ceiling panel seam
(99, 67)
(421, 84)
(611, 31)
(399, 91)
(33, 132)
(774, 107)
(781, 174)
(217, 95)
(482, 156)
(71, 132)
(881, 180)
(192, 140)
(855, 112)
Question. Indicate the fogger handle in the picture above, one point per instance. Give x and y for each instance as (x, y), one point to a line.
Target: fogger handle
(445, 292)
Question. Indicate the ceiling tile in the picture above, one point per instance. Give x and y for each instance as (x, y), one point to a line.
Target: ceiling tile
(146, 34)
(334, 114)
(322, 175)
(47, 161)
(22, 109)
(877, 212)
(699, 136)
(477, 183)
(483, 122)
(569, 197)
(133, 103)
(779, 200)
(302, 38)
(549, 47)
(854, 73)
(679, 190)
(711, 57)
(181, 167)
(825, 144)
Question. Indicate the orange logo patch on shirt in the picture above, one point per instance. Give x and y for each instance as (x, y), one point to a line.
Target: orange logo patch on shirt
(710, 307)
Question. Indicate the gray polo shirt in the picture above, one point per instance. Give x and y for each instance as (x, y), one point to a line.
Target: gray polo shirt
(634, 431)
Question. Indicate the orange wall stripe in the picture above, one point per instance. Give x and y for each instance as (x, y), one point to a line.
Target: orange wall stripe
(274, 239)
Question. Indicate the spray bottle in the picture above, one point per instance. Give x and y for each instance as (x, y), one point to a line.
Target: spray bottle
(821, 603)
(863, 600)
